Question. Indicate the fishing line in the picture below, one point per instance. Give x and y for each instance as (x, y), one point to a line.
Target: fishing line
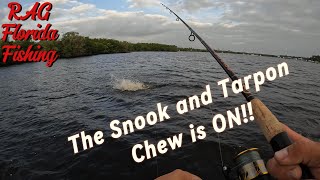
(157, 164)
(219, 140)
(193, 35)
(268, 123)
(220, 150)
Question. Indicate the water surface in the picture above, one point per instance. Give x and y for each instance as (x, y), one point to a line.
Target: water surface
(41, 107)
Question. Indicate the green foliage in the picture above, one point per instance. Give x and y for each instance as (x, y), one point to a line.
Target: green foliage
(192, 50)
(315, 58)
(1, 45)
(72, 44)
(51, 45)
(153, 47)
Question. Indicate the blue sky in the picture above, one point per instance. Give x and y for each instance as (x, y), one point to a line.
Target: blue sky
(265, 26)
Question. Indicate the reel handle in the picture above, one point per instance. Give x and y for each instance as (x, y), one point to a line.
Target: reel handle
(273, 131)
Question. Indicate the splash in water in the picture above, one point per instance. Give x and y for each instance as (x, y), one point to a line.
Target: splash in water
(128, 85)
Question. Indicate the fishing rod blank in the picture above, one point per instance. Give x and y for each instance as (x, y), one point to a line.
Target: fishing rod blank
(225, 67)
(268, 123)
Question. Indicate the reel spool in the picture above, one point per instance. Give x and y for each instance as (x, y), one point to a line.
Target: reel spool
(251, 166)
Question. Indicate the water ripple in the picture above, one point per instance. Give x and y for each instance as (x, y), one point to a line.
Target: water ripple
(85, 94)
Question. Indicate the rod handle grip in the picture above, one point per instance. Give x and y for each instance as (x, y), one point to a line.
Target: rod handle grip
(273, 131)
(281, 141)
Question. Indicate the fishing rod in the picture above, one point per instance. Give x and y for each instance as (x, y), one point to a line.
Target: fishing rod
(225, 67)
(267, 122)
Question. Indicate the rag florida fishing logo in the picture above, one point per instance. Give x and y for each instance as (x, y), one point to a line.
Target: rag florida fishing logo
(34, 53)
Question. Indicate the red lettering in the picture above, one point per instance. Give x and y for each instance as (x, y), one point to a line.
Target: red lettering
(51, 58)
(37, 35)
(7, 52)
(29, 55)
(48, 7)
(14, 8)
(7, 31)
(33, 12)
(51, 35)
(36, 11)
(20, 35)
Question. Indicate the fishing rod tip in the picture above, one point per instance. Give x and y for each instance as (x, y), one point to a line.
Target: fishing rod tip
(163, 5)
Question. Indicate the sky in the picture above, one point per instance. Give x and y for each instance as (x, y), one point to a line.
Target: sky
(277, 27)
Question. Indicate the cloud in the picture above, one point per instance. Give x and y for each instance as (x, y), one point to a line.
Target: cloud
(192, 5)
(143, 3)
(82, 8)
(290, 26)
(267, 26)
(113, 24)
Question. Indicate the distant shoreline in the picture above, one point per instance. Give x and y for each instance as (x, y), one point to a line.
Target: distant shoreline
(184, 50)
(73, 45)
(313, 58)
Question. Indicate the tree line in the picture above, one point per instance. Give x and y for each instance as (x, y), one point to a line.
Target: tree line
(315, 58)
(72, 44)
